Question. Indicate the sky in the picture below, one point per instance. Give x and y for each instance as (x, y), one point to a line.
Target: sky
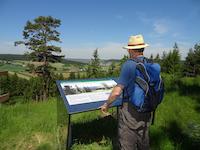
(105, 24)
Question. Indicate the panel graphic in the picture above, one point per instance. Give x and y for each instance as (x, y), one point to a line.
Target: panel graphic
(85, 94)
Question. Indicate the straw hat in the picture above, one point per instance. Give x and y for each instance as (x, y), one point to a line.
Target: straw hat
(136, 42)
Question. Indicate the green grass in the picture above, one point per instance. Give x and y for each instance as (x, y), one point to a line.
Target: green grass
(28, 126)
(34, 126)
(12, 67)
(176, 124)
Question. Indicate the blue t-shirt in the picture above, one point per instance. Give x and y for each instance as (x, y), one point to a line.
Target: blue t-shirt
(127, 77)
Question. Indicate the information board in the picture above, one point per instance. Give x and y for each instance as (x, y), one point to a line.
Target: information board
(85, 95)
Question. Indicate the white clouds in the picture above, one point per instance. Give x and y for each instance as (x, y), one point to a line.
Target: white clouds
(7, 47)
(109, 50)
(160, 26)
(112, 50)
(159, 48)
(143, 17)
(120, 17)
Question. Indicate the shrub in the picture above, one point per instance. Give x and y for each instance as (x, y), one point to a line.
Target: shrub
(189, 85)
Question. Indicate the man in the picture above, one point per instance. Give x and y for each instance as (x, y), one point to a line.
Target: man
(133, 127)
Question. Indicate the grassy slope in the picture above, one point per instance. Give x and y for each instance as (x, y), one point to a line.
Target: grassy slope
(12, 67)
(28, 126)
(34, 126)
(18, 67)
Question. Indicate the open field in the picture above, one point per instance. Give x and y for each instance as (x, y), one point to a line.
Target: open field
(20, 68)
(34, 126)
(12, 67)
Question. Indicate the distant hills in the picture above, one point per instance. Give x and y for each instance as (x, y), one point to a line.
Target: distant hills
(104, 61)
(10, 57)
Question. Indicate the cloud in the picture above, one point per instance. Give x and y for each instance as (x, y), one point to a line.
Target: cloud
(120, 17)
(7, 47)
(160, 27)
(108, 50)
(112, 50)
(143, 17)
(159, 48)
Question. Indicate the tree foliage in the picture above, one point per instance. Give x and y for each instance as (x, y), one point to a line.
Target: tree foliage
(28, 89)
(151, 57)
(192, 62)
(171, 61)
(112, 70)
(94, 69)
(124, 59)
(157, 59)
(38, 37)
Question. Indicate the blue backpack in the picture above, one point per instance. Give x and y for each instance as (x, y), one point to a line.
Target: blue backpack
(149, 87)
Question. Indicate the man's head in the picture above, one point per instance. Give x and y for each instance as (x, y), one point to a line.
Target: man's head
(136, 46)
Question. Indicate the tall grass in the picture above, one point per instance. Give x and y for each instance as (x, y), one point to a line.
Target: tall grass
(12, 67)
(28, 126)
(176, 126)
(34, 126)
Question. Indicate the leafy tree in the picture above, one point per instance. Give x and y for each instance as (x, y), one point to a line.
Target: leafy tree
(189, 65)
(124, 59)
(30, 68)
(197, 58)
(151, 57)
(94, 69)
(78, 76)
(157, 59)
(192, 62)
(38, 37)
(72, 75)
(164, 55)
(171, 61)
(112, 69)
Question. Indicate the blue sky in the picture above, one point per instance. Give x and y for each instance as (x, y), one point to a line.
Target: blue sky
(105, 24)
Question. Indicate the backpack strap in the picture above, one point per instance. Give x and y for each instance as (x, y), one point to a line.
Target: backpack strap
(143, 84)
(140, 66)
(123, 95)
(142, 69)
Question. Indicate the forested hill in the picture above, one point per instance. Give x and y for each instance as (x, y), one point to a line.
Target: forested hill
(10, 57)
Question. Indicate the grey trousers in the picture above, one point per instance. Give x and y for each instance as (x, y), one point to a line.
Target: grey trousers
(133, 128)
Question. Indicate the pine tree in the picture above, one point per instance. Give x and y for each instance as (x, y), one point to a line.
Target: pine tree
(38, 36)
(189, 65)
(171, 61)
(192, 62)
(151, 57)
(111, 69)
(157, 59)
(197, 59)
(124, 59)
(94, 69)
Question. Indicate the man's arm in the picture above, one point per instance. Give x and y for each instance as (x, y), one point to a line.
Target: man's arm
(117, 90)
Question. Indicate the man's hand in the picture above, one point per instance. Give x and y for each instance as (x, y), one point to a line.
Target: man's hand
(114, 94)
(104, 109)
